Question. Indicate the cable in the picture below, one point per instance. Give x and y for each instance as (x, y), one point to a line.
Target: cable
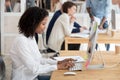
(105, 65)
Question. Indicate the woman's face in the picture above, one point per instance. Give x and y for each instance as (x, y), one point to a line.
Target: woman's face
(72, 10)
(41, 27)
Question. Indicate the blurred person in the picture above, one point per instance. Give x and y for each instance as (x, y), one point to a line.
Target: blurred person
(62, 27)
(116, 2)
(77, 28)
(57, 4)
(17, 7)
(30, 3)
(115, 5)
(8, 7)
(99, 9)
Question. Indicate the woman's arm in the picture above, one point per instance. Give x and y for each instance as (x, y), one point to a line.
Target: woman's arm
(24, 53)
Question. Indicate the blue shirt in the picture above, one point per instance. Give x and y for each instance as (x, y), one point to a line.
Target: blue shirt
(99, 8)
(52, 22)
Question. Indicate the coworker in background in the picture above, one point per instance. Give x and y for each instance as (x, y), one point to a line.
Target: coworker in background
(116, 2)
(99, 9)
(28, 63)
(2, 69)
(77, 28)
(115, 6)
(56, 5)
(8, 7)
(30, 3)
(62, 27)
(17, 7)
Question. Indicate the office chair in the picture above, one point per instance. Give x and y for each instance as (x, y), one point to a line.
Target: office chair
(45, 51)
(2, 69)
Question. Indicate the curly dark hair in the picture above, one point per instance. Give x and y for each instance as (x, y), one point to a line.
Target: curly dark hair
(30, 20)
(67, 5)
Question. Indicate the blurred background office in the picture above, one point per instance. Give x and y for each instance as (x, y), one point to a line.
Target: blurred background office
(12, 5)
(11, 10)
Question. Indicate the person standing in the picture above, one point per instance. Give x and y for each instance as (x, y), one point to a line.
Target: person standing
(99, 9)
(8, 7)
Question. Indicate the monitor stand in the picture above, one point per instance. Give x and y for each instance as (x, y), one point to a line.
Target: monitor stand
(101, 65)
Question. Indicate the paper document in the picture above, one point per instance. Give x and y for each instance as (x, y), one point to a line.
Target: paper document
(85, 32)
(102, 31)
(78, 58)
(82, 35)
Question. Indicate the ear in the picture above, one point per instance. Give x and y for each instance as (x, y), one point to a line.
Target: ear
(68, 10)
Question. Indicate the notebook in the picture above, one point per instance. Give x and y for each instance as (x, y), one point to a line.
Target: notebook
(82, 35)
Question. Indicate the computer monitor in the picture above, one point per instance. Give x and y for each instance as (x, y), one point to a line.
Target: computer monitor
(113, 19)
(92, 42)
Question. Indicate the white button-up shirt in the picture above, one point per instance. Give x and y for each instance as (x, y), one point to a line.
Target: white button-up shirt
(27, 60)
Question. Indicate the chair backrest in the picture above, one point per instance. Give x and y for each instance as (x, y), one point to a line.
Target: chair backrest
(54, 53)
(2, 69)
(44, 40)
(8, 66)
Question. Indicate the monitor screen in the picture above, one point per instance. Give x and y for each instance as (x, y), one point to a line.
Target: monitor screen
(92, 42)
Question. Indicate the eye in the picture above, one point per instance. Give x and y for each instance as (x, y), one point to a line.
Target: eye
(43, 23)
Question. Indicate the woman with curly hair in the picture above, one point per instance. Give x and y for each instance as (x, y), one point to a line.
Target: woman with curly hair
(28, 63)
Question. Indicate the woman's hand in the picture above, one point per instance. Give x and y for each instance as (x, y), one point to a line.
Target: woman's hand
(72, 19)
(92, 18)
(65, 64)
(84, 27)
(100, 27)
(66, 60)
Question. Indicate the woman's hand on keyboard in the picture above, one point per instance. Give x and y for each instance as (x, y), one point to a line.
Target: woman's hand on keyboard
(66, 60)
(65, 64)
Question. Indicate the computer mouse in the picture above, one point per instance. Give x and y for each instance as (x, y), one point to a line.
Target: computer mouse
(70, 73)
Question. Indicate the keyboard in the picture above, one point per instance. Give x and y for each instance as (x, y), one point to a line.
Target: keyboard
(78, 66)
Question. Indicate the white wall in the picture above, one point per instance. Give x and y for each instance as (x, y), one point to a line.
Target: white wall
(8, 24)
(0, 26)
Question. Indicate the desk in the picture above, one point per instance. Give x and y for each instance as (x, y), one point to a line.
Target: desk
(103, 74)
(102, 38)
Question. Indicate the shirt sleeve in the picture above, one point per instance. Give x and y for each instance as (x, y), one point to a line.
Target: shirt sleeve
(108, 7)
(76, 30)
(88, 3)
(76, 25)
(48, 61)
(26, 58)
